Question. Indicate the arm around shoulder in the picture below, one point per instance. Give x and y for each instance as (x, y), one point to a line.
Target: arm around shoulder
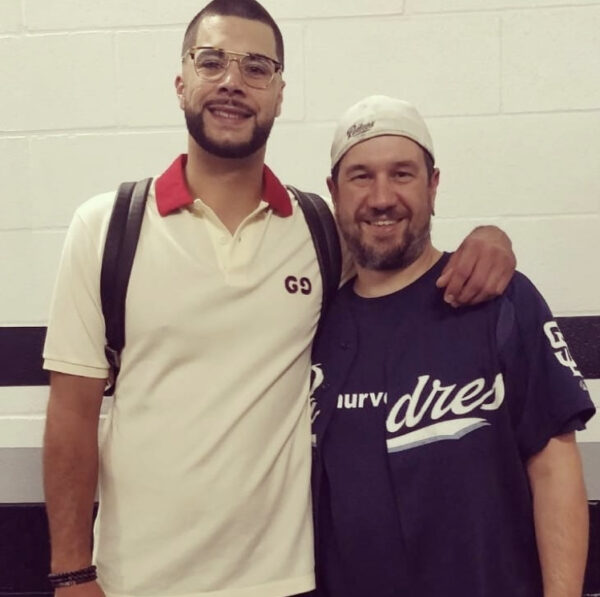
(71, 468)
(480, 269)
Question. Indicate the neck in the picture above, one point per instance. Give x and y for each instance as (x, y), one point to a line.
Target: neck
(232, 188)
(374, 283)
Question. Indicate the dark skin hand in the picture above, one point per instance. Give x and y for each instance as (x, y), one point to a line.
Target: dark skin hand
(480, 269)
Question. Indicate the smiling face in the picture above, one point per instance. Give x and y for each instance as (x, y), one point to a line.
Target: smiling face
(226, 117)
(384, 200)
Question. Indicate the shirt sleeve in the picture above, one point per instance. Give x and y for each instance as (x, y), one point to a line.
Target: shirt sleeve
(548, 393)
(75, 337)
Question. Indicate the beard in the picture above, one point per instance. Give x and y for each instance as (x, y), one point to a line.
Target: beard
(385, 258)
(226, 149)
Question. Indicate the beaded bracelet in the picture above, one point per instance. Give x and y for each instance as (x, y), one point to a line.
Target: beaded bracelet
(68, 579)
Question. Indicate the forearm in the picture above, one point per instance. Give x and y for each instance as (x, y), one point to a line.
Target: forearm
(561, 526)
(70, 479)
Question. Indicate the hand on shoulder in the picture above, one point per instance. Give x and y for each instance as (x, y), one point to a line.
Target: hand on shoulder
(480, 269)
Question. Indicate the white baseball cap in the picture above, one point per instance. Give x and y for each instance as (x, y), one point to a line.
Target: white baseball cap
(375, 116)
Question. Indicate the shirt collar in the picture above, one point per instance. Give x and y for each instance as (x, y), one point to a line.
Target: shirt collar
(172, 192)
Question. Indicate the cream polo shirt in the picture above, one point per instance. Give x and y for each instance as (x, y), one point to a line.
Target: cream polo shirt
(205, 456)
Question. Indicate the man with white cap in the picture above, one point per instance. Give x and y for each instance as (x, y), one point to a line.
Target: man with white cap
(444, 455)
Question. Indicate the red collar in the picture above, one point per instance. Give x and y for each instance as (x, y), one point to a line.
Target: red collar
(172, 191)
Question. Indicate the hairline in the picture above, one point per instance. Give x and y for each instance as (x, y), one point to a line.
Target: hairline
(191, 33)
(428, 158)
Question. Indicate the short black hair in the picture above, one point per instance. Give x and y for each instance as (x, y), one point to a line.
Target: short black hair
(429, 164)
(245, 9)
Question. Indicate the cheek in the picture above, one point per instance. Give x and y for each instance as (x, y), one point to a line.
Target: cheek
(270, 104)
(268, 111)
(196, 94)
(421, 213)
(347, 210)
(277, 105)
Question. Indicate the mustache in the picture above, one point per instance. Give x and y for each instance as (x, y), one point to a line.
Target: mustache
(384, 213)
(228, 102)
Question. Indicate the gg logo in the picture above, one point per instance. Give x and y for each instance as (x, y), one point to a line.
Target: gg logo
(293, 285)
(561, 350)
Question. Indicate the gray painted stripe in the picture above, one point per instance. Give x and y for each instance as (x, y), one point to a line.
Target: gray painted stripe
(590, 456)
(21, 473)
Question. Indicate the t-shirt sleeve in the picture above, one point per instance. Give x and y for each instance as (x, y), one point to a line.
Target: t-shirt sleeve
(75, 337)
(548, 393)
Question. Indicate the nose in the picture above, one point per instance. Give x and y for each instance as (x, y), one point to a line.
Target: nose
(382, 194)
(232, 77)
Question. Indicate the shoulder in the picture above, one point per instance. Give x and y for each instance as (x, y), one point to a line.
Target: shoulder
(89, 223)
(524, 295)
(521, 286)
(520, 307)
(96, 209)
(91, 218)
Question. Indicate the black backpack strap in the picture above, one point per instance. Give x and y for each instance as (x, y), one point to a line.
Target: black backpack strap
(117, 260)
(323, 230)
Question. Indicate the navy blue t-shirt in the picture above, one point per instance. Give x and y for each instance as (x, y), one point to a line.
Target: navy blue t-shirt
(423, 419)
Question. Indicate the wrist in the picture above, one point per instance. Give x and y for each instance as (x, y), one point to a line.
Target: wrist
(59, 580)
(70, 559)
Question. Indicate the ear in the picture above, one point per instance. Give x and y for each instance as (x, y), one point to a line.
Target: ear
(279, 99)
(333, 190)
(433, 186)
(179, 89)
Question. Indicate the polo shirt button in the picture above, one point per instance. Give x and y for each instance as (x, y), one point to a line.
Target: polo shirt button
(223, 240)
(344, 345)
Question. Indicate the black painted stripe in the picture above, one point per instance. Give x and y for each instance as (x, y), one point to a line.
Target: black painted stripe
(583, 337)
(21, 356)
(24, 550)
(21, 349)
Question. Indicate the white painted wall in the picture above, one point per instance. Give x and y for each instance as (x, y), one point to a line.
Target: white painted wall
(510, 88)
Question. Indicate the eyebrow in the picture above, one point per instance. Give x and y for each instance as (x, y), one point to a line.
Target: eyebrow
(398, 164)
(224, 51)
(208, 48)
(355, 167)
(405, 164)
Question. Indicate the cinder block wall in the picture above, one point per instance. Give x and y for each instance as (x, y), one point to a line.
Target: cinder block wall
(510, 89)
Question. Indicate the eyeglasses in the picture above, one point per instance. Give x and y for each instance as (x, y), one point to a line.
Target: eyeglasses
(212, 63)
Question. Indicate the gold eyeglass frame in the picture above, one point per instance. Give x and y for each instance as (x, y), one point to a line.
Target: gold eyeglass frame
(236, 57)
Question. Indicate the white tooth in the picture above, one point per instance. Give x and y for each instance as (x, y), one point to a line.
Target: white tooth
(227, 114)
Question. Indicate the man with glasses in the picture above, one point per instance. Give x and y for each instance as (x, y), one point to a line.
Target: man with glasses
(204, 460)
